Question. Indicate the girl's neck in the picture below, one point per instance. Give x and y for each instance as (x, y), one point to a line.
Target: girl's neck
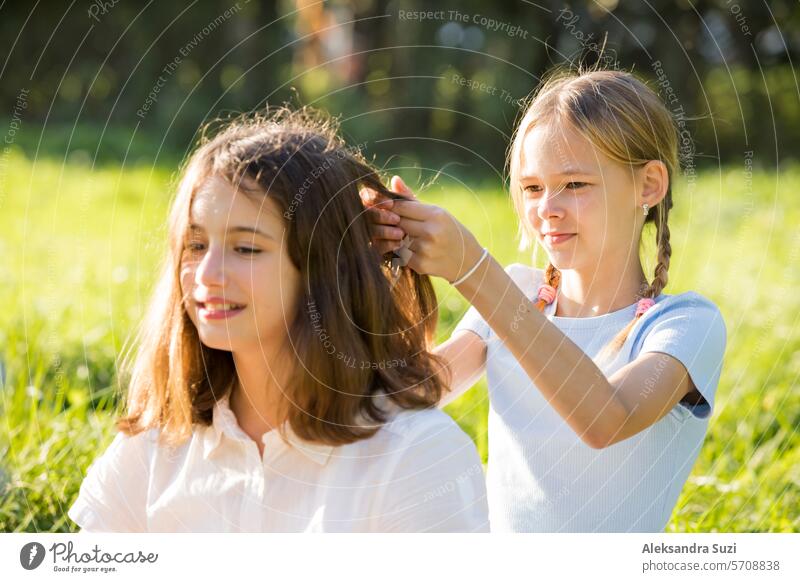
(595, 292)
(257, 393)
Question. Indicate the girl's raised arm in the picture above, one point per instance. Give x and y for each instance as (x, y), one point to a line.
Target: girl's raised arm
(602, 411)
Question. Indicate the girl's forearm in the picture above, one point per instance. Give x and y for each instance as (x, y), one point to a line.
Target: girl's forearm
(563, 373)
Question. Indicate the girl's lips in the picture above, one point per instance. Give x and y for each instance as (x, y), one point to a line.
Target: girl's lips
(556, 239)
(213, 314)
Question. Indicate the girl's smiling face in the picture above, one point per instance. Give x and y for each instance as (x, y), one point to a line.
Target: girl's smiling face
(239, 285)
(580, 204)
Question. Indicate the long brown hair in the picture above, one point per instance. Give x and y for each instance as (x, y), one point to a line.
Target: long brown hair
(381, 333)
(625, 120)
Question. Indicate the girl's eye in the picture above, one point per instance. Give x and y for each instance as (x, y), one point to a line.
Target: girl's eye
(532, 189)
(248, 250)
(194, 246)
(576, 185)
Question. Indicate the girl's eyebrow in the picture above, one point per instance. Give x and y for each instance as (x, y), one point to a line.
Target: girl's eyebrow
(566, 172)
(573, 172)
(251, 229)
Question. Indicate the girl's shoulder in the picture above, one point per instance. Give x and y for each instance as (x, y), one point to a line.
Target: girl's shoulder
(427, 474)
(684, 318)
(414, 448)
(690, 328)
(113, 494)
(686, 305)
(143, 450)
(125, 448)
(405, 422)
(126, 460)
(431, 428)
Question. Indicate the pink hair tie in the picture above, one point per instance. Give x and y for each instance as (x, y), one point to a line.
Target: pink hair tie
(547, 293)
(643, 305)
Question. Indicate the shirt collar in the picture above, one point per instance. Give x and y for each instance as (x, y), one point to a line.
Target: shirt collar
(224, 422)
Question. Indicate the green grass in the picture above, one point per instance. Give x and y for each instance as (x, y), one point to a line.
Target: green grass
(78, 254)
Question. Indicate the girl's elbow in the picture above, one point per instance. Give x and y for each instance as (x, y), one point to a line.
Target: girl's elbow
(598, 437)
(595, 440)
(604, 438)
(616, 427)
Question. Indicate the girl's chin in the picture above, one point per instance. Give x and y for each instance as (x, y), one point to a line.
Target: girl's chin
(218, 344)
(563, 261)
(223, 340)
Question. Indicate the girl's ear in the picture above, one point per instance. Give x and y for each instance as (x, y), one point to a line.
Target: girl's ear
(654, 183)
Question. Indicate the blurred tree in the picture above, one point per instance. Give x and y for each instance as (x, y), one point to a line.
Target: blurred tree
(141, 78)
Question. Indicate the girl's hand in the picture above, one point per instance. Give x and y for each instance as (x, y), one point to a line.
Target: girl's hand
(385, 234)
(440, 244)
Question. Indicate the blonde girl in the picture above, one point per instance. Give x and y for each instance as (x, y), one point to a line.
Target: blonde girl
(282, 382)
(600, 384)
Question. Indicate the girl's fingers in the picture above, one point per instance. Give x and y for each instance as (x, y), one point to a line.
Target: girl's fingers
(376, 215)
(413, 210)
(399, 187)
(368, 196)
(386, 232)
(414, 263)
(413, 228)
(371, 198)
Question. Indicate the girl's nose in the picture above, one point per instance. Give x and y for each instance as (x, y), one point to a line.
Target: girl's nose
(210, 271)
(550, 205)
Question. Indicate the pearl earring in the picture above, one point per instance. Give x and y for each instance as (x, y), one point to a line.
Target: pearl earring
(645, 208)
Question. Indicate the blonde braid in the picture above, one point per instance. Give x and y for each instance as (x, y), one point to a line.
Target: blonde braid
(552, 277)
(661, 274)
(664, 253)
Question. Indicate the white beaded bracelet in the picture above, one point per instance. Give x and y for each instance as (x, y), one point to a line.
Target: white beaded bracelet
(473, 269)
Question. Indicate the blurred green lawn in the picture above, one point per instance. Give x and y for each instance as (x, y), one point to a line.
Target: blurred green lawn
(79, 249)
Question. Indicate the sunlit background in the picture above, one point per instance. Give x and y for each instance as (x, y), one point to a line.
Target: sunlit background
(102, 100)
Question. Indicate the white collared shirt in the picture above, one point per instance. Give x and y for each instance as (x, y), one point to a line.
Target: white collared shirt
(419, 472)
